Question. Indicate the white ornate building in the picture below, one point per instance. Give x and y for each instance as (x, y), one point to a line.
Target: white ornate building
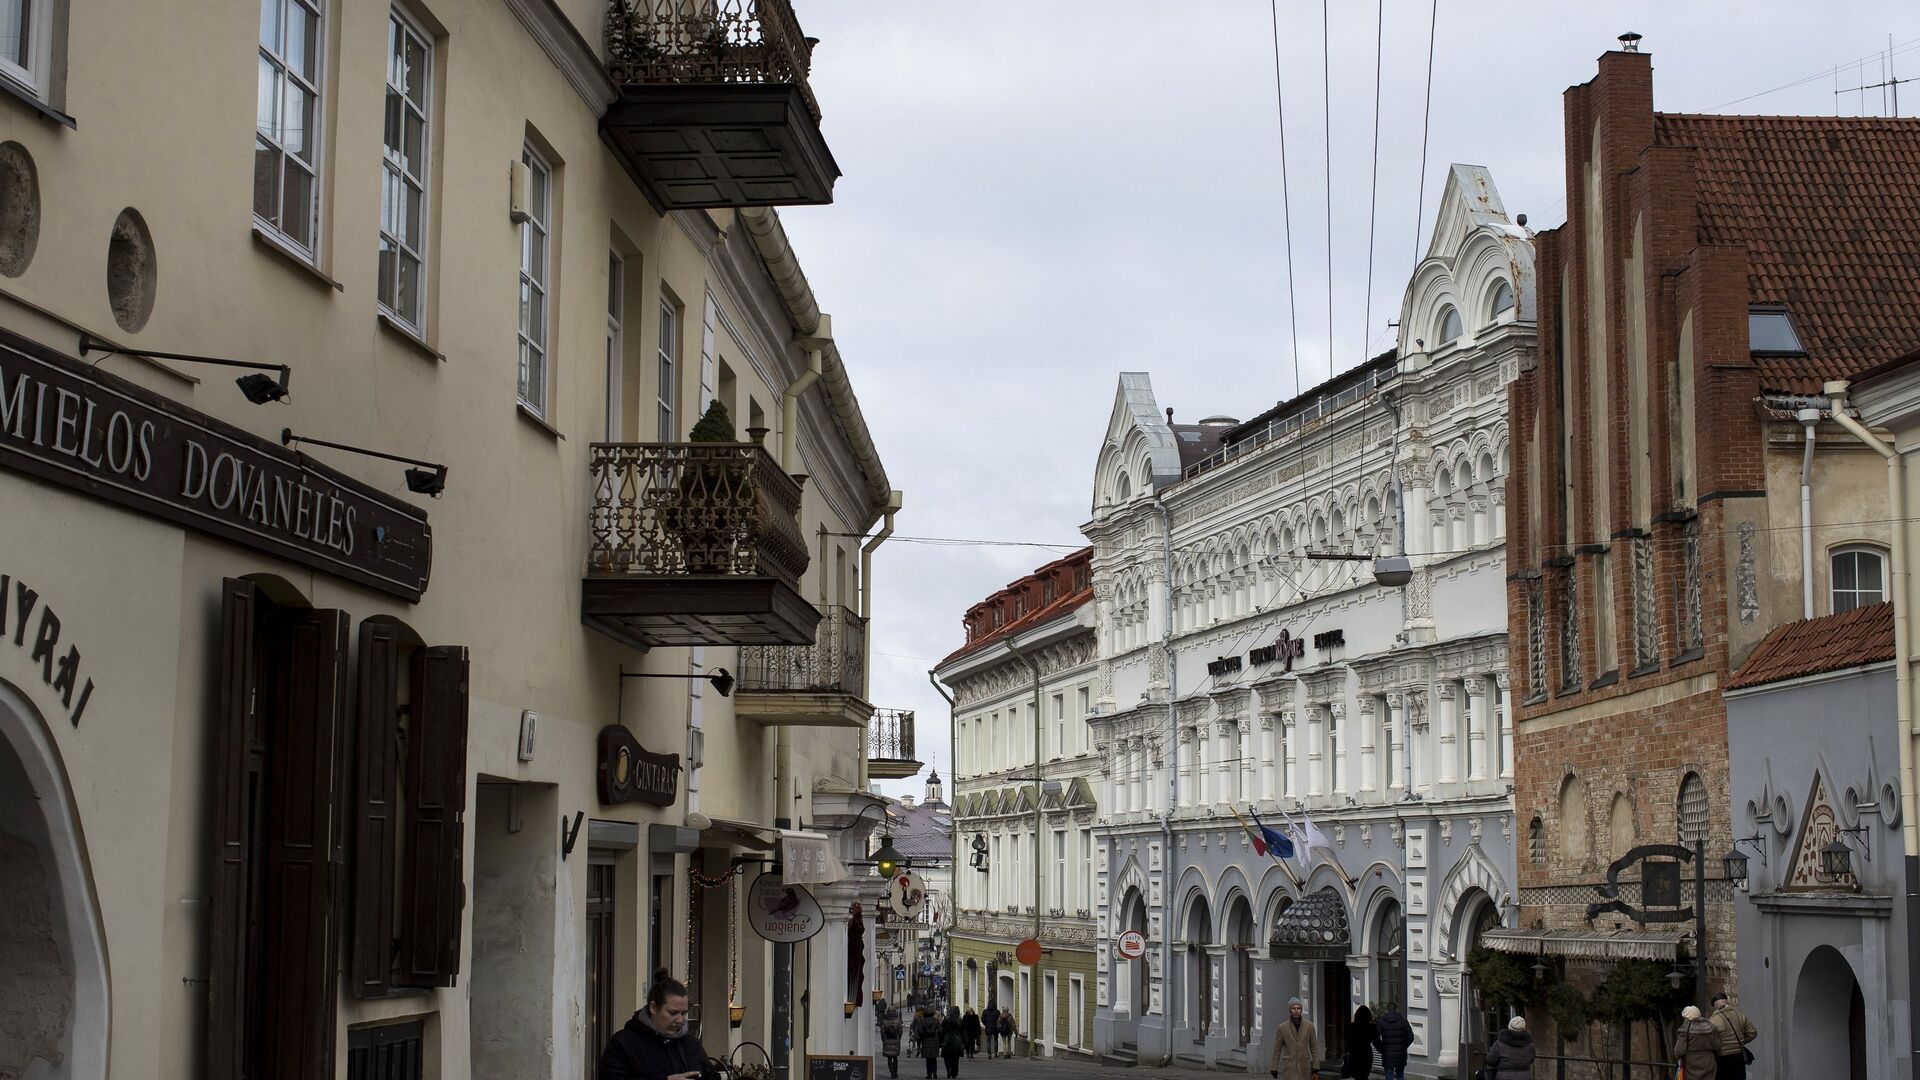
(1299, 684)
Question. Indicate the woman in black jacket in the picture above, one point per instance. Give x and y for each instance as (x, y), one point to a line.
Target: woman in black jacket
(1511, 1055)
(1361, 1035)
(656, 1044)
(1394, 1038)
(953, 1040)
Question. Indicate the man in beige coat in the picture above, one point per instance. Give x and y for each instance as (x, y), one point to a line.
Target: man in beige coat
(1296, 1046)
(1735, 1031)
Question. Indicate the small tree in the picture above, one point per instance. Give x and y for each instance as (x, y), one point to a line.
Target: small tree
(715, 425)
(1501, 979)
(1634, 990)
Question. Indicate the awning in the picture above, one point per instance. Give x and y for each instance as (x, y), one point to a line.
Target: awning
(807, 858)
(1313, 927)
(1589, 944)
(743, 834)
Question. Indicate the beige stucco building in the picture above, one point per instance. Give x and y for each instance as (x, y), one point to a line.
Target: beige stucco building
(304, 770)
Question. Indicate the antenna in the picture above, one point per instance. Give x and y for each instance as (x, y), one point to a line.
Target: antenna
(1891, 83)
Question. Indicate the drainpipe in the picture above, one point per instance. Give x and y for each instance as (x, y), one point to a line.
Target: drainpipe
(1173, 784)
(1400, 549)
(1809, 418)
(815, 344)
(953, 834)
(894, 499)
(1039, 828)
(1836, 392)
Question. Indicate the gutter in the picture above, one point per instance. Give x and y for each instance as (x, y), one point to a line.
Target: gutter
(1809, 418)
(953, 834)
(1902, 676)
(894, 499)
(1171, 874)
(1034, 981)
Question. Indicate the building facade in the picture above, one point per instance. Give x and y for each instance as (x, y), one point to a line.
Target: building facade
(293, 727)
(1675, 492)
(1250, 667)
(1024, 806)
(912, 951)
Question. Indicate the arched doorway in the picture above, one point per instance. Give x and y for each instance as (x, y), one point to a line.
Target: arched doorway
(1239, 973)
(1389, 955)
(53, 982)
(1829, 1019)
(1199, 996)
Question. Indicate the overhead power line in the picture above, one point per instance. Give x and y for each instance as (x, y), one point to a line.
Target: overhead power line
(1286, 199)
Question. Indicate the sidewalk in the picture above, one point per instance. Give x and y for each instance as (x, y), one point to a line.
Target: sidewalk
(1020, 1068)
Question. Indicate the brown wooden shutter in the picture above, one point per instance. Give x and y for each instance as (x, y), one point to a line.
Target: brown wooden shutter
(433, 896)
(375, 762)
(306, 793)
(236, 793)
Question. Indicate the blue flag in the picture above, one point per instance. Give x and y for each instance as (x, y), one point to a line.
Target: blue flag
(1278, 845)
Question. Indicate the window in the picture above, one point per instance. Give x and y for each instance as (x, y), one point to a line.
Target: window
(1536, 841)
(403, 177)
(1859, 577)
(1574, 824)
(1502, 301)
(1771, 330)
(668, 387)
(533, 282)
(1693, 810)
(1059, 869)
(1088, 861)
(1085, 707)
(26, 43)
(602, 955)
(616, 309)
(1449, 324)
(1389, 955)
(1059, 725)
(386, 1052)
(286, 144)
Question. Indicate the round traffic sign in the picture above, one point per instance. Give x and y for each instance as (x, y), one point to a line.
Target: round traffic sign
(1028, 952)
(1132, 945)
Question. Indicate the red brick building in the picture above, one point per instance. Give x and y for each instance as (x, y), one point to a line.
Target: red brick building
(1712, 271)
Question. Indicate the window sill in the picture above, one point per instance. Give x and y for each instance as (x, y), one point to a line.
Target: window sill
(33, 101)
(298, 261)
(1606, 679)
(526, 413)
(1687, 657)
(405, 333)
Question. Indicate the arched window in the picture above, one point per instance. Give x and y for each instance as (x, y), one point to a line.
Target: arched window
(1389, 955)
(1574, 825)
(1449, 324)
(1502, 302)
(1536, 841)
(1693, 809)
(1620, 826)
(1859, 577)
(1124, 488)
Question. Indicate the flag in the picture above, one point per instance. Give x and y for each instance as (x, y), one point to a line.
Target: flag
(1278, 844)
(1314, 837)
(1259, 843)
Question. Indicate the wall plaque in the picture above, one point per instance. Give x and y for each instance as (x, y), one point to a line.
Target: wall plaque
(628, 772)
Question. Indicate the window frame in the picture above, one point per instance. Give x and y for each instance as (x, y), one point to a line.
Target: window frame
(1833, 576)
(1448, 311)
(399, 17)
(616, 342)
(666, 371)
(1494, 310)
(540, 218)
(35, 77)
(317, 88)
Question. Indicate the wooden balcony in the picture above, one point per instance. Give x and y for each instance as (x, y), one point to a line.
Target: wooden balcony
(817, 685)
(694, 544)
(714, 107)
(890, 745)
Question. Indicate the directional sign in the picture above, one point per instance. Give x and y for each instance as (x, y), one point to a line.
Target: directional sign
(907, 895)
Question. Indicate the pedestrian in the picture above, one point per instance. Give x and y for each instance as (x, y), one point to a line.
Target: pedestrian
(990, 1020)
(926, 1035)
(971, 1025)
(1696, 1044)
(1735, 1032)
(656, 1044)
(953, 1040)
(1296, 1045)
(890, 1043)
(1008, 1029)
(1511, 1055)
(1361, 1035)
(1394, 1039)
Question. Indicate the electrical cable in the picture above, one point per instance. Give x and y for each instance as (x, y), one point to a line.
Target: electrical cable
(1286, 198)
(1426, 127)
(1373, 182)
(1326, 120)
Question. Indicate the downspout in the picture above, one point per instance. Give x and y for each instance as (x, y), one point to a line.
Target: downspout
(1810, 418)
(1173, 783)
(816, 344)
(1836, 392)
(1400, 549)
(1039, 827)
(894, 499)
(953, 834)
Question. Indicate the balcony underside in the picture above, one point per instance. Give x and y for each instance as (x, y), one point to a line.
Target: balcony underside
(891, 768)
(801, 708)
(645, 611)
(707, 146)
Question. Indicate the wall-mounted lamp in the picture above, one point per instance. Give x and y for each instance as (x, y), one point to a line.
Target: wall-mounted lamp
(258, 388)
(720, 678)
(429, 479)
(1836, 859)
(978, 860)
(887, 859)
(1736, 863)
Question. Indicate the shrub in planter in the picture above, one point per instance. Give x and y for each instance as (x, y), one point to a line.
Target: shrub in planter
(712, 494)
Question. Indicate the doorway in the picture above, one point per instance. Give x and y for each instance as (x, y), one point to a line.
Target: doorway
(514, 885)
(1240, 973)
(1336, 1006)
(1829, 1018)
(1199, 970)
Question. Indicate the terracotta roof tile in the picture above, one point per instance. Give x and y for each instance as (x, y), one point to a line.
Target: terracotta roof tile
(1824, 207)
(1065, 602)
(1811, 646)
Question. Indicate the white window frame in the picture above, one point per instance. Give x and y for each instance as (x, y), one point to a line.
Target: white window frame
(276, 59)
(1833, 589)
(1060, 869)
(35, 76)
(616, 341)
(394, 176)
(1060, 724)
(667, 370)
(534, 342)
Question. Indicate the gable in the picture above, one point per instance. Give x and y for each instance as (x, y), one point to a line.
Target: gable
(1819, 826)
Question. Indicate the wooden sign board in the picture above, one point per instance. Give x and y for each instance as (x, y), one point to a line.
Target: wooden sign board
(835, 1067)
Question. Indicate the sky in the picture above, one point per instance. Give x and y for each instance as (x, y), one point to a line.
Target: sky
(1041, 194)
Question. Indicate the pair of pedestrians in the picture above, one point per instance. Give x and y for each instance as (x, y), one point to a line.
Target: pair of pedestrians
(1715, 1048)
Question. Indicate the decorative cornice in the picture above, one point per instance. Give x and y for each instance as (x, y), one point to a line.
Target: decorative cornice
(577, 60)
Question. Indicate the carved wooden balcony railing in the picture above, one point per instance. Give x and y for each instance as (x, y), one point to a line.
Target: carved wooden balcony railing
(694, 544)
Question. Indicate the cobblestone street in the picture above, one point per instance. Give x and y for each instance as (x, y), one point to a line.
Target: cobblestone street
(1020, 1068)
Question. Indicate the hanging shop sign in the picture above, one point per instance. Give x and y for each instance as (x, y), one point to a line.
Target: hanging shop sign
(628, 772)
(1132, 945)
(71, 424)
(907, 895)
(782, 911)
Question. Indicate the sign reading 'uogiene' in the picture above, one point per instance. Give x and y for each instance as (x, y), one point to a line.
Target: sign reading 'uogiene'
(68, 423)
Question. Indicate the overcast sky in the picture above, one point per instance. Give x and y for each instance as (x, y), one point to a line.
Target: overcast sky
(1040, 194)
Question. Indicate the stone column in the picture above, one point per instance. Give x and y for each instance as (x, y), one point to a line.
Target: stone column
(1482, 528)
(1231, 753)
(1503, 723)
(1446, 748)
(1459, 533)
(1270, 763)
(1367, 734)
(1183, 782)
(1476, 727)
(1417, 474)
(1316, 752)
(1337, 721)
(1249, 757)
(1417, 704)
(1497, 495)
(1289, 755)
(1396, 739)
(1202, 774)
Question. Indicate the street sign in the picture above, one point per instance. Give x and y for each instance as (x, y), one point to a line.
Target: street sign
(1132, 945)
(1028, 952)
(907, 895)
(778, 911)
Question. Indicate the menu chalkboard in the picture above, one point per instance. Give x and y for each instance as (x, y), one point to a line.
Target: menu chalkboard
(832, 1067)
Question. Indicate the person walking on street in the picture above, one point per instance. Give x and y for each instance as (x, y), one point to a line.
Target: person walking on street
(953, 1041)
(1511, 1055)
(656, 1044)
(1735, 1031)
(926, 1035)
(890, 1043)
(1008, 1029)
(1296, 1046)
(1697, 1045)
(970, 1023)
(1361, 1035)
(1394, 1039)
(990, 1020)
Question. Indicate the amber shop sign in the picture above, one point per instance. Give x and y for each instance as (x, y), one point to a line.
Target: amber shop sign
(67, 423)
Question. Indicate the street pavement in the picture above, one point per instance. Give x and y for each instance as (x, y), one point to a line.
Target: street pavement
(1020, 1068)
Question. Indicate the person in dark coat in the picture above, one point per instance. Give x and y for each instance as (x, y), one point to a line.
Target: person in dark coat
(971, 1025)
(1361, 1035)
(656, 1044)
(953, 1040)
(890, 1043)
(926, 1036)
(1008, 1029)
(1511, 1055)
(990, 1022)
(1394, 1038)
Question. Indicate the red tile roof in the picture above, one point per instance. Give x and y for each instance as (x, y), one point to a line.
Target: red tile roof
(1828, 209)
(1061, 571)
(1811, 646)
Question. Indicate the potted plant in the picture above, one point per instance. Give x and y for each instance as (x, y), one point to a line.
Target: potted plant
(714, 492)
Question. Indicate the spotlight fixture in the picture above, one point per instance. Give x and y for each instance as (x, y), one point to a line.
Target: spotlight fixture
(429, 479)
(258, 388)
(721, 679)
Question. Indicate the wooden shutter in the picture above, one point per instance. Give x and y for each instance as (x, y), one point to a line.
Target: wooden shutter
(236, 788)
(306, 793)
(433, 896)
(375, 762)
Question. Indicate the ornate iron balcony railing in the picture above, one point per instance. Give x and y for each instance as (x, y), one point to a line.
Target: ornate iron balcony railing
(693, 509)
(836, 663)
(709, 41)
(890, 735)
